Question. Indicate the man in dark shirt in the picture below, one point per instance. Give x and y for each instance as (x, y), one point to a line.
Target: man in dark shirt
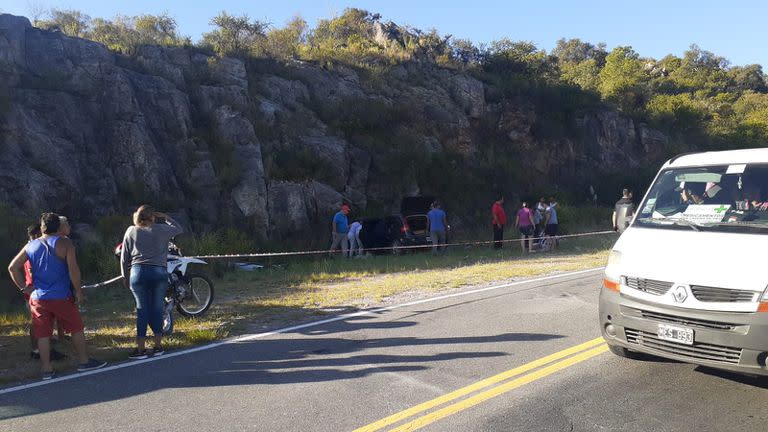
(623, 211)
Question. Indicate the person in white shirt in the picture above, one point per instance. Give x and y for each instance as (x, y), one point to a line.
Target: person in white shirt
(354, 239)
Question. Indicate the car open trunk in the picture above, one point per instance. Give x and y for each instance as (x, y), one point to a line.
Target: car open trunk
(414, 211)
(418, 205)
(417, 224)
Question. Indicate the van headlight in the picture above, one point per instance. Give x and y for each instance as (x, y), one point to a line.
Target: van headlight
(612, 268)
(763, 306)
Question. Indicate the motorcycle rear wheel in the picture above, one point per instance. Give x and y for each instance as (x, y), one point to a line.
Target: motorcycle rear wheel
(167, 319)
(198, 298)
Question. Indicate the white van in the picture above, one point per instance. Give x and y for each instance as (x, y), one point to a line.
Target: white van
(688, 279)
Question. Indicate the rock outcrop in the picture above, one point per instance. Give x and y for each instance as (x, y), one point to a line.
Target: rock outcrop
(276, 150)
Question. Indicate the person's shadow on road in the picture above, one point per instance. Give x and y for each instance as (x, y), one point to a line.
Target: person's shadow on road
(289, 359)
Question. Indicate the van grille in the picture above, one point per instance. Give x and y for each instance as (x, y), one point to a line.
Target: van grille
(725, 295)
(698, 351)
(690, 322)
(648, 285)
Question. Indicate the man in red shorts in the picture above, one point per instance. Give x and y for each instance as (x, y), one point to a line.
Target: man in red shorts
(33, 232)
(54, 268)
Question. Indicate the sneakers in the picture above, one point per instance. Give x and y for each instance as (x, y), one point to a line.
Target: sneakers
(91, 364)
(49, 375)
(158, 351)
(138, 355)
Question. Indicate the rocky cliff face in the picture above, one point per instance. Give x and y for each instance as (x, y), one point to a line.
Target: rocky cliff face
(271, 148)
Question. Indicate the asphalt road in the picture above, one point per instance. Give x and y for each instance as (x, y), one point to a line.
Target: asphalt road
(497, 360)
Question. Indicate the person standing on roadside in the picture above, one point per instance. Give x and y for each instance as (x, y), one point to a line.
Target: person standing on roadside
(33, 233)
(541, 208)
(143, 261)
(54, 270)
(552, 223)
(64, 228)
(339, 230)
(499, 218)
(525, 224)
(437, 225)
(355, 244)
(623, 211)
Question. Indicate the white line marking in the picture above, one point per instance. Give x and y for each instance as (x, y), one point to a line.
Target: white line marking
(246, 338)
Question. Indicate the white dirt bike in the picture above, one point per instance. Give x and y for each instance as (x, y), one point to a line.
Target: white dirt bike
(191, 294)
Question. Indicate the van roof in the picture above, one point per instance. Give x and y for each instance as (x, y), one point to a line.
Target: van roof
(720, 158)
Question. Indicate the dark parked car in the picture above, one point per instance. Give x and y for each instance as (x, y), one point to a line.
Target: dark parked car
(409, 228)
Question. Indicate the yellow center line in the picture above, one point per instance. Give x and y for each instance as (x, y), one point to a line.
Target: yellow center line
(448, 397)
(496, 391)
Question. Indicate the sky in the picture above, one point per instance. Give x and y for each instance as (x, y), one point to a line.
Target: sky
(732, 29)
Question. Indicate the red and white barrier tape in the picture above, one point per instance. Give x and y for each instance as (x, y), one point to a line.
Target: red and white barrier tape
(390, 248)
(326, 251)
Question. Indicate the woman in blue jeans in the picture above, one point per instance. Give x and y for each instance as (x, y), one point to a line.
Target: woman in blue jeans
(143, 265)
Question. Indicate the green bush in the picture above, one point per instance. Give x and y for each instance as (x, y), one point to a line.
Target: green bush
(575, 219)
(235, 35)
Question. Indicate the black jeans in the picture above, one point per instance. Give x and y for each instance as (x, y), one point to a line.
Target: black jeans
(498, 236)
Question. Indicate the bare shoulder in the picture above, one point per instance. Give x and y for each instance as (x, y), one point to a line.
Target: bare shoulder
(65, 243)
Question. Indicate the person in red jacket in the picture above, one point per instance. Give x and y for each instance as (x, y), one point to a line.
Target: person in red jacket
(499, 220)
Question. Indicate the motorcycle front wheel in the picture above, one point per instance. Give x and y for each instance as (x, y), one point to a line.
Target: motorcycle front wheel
(198, 297)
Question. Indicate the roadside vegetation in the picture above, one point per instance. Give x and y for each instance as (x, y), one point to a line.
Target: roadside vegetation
(297, 289)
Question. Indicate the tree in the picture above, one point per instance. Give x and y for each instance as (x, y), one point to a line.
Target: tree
(434, 47)
(621, 79)
(109, 34)
(70, 22)
(125, 34)
(576, 51)
(585, 74)
(235, 35)
(157, 30)
(749, 77)
(702, 70)
(522, 57)
(353, 24)
(679, 113)
(37, 10)
(465, 52)
(350, 38)
(287, 42)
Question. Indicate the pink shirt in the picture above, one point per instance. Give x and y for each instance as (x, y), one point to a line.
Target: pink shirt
(524, 217)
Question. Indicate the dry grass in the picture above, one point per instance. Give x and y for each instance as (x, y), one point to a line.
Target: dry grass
(292, 291)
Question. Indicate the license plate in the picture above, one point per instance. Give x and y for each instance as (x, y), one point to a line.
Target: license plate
(676, 334)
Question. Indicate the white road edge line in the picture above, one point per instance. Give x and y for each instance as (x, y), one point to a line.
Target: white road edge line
(246, 338)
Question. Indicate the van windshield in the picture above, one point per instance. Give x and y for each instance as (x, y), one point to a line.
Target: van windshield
(727, 198)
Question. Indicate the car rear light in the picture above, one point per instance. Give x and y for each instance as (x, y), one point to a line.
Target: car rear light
(612, 285)
(405, 227)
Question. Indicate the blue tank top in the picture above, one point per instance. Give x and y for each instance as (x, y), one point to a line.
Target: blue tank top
(50, 274)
